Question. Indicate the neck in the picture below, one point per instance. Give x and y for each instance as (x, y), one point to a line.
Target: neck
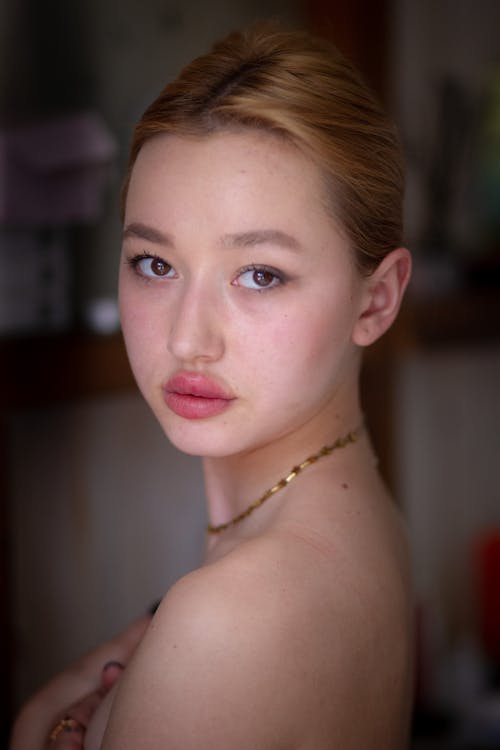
(236, 481)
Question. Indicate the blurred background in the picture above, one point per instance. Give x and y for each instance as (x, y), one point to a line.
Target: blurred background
(98, 514)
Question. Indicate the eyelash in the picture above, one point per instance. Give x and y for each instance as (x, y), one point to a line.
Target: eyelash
(279, 277)
(134, 261)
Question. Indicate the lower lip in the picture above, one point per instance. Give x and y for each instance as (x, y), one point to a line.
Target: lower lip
(195, 407)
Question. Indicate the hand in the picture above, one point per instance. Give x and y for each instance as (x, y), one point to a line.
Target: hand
(69, 732)
(37, 718)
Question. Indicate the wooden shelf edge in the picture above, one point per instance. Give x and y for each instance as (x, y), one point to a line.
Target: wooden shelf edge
(42, 370)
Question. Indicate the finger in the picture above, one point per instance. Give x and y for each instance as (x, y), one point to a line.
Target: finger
(110, 674)
(81, 711)
(34, 722)
(68, 734)
(119, 649)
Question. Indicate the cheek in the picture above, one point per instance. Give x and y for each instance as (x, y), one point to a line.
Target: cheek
(140, 332)
(303, 345)
(130, 315)
(290, 347)
(138, 310)
(317, 328)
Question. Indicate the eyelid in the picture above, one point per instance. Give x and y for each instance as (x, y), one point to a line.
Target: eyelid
(144, 255)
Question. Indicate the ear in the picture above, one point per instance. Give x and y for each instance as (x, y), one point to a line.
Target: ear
(382, 297)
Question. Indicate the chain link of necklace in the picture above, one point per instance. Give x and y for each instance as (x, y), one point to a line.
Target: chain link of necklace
(341, 442)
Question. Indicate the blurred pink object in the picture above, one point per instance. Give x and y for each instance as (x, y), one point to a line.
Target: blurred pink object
(54, 172)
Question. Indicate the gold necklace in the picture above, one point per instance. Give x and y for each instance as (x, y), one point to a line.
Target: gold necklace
(341, 442)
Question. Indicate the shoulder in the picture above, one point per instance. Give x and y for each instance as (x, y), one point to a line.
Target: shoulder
(244, 610)
(251, 651)
(210, 667)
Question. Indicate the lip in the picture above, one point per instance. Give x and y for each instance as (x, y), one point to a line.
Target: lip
(193, 395)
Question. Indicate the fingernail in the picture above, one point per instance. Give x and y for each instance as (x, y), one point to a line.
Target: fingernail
(116, 664)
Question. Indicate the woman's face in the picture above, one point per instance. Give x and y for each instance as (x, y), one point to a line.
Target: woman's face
(238, 294)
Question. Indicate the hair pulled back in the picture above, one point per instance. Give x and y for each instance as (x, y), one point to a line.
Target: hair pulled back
(302, 89)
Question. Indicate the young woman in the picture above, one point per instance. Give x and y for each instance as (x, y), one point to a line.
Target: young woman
(261, 254)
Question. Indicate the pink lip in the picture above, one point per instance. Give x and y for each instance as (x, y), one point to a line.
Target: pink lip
(194, 396)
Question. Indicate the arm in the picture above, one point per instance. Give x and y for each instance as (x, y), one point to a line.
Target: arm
(70, 731)
(39, 715)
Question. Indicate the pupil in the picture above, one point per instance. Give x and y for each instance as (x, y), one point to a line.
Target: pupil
(262, 278)
(159, 267)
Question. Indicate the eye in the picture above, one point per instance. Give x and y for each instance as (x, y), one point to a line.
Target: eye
(259, 278)
(152, 266)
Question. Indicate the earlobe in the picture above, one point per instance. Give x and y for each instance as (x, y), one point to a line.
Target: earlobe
(382, 299)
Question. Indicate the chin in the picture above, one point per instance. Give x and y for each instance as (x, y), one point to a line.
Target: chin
(199, 438)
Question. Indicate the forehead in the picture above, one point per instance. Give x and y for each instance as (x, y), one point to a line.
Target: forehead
(229, 182)
(226, 157)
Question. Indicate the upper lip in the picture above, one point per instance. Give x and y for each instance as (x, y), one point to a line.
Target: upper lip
(196, 384)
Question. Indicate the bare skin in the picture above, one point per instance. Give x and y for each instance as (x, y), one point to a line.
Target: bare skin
(86, 680)
(298, 624)
(341, 570)
(296, 633)
(297, 638)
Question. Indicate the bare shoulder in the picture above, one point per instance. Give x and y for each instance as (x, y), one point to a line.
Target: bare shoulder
(271, 646)
(207, 666)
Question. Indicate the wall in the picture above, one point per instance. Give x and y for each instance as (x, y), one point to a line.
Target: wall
(448, 480)
(137, 47)
(445, 53)
(85, 560)
(105, 514)
(438, 41)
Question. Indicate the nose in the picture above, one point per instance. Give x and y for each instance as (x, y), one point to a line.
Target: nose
(196, 328)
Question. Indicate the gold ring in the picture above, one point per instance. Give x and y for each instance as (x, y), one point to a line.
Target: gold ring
(68, 724)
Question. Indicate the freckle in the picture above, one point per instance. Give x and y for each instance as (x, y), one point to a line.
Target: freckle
(345, 486)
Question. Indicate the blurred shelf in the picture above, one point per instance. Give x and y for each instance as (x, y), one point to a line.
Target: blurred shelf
(40, 370)
(465, 319)
(462, 318)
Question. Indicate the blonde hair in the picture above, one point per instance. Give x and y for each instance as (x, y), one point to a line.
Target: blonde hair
(301, 88)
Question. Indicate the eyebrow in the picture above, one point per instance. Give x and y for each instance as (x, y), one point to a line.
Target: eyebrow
(261, 237)
(140, 231)
(252, 238)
